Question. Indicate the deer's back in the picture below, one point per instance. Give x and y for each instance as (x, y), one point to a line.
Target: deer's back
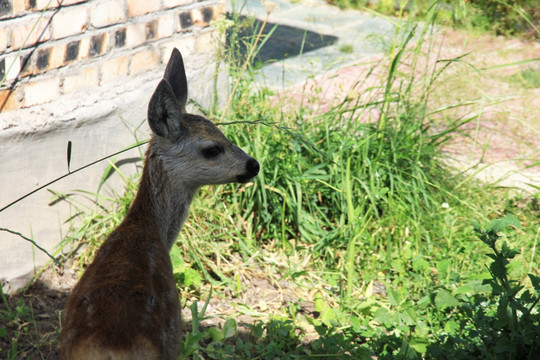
(126, 304)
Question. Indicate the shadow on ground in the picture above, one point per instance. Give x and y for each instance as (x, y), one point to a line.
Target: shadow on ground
(31, 322)
(284, 41)
(29, 329)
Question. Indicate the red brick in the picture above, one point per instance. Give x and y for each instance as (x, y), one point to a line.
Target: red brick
(4, 39)
(58, 55)
(41, 91)
(166, 25)
(43, 4)
(13, 66)
(114, 68)
(9, 100)
(83, 79)
(22, 27)
(69, 21)
(18, 6)
(84, 48)
(27, 64)
(99, 44)
(207, 42)
(141, 7)
(186, 45)
(107, 13)
(144, 60)
(135, 34)
(175, 3)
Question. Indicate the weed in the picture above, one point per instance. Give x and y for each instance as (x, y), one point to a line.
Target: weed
(14, 322)
(528, 78)
(21, 334)
(346, 48)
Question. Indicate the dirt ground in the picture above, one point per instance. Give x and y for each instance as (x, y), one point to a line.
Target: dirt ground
(505, 132)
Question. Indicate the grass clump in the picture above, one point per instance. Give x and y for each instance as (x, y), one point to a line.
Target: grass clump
(528, 78)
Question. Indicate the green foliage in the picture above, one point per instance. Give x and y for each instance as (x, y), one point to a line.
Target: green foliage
(511, 18)
(528, 78)
(19, 335)
(184, 275)
(514, 317)
(14, 323)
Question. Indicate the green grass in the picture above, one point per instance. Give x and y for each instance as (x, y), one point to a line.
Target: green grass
(399, 255)
(346, 48)
(528, 78)
(497, 17)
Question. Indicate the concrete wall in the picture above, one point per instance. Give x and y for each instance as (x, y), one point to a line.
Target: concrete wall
(84, 73)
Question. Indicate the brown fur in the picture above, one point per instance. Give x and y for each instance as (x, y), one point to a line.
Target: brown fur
(127, 293)
(126, 305)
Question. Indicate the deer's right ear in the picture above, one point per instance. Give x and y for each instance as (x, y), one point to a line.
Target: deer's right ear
(175, 74)
(163, 112)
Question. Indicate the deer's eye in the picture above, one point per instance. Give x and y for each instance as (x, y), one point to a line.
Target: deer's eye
(212, 151)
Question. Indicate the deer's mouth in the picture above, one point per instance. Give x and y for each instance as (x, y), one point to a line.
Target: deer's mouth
(252, 169)
(244, 178)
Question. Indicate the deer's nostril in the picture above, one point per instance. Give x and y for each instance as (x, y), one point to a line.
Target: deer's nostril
(252, 167)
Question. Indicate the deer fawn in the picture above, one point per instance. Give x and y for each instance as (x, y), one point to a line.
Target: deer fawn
(126, 305)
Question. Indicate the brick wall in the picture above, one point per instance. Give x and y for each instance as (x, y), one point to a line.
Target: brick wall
(50, 48)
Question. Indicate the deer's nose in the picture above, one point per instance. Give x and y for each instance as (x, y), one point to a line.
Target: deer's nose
(252, 167)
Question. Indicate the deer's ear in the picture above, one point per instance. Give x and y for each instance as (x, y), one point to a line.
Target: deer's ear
(175, 74)
(163, 112)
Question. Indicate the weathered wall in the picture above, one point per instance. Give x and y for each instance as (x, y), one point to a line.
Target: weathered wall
(84, 73)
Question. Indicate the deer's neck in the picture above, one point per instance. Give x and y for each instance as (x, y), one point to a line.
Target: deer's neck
(161, 201)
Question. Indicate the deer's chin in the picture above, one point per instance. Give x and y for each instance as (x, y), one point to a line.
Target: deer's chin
(245, 178)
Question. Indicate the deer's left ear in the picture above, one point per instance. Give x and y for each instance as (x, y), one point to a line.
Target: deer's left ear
(175, 74)
(164, 113)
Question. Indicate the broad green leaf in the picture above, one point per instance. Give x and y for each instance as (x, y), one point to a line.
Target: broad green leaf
(216, 334)
(192, 278)
(535, 281)
(465, 289)
(451, 326)
(406, 318)
(508, 252)
(420, 345)
(178, 264)
(498, 267)
(412, 314)
(505, 346)
(406, 351)
(421, 329)
(442, 267)
(499, 225)
(229, 328)
(420, 264)
(328, 317)
(444, 300)
(393, 297)
(383, 316)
